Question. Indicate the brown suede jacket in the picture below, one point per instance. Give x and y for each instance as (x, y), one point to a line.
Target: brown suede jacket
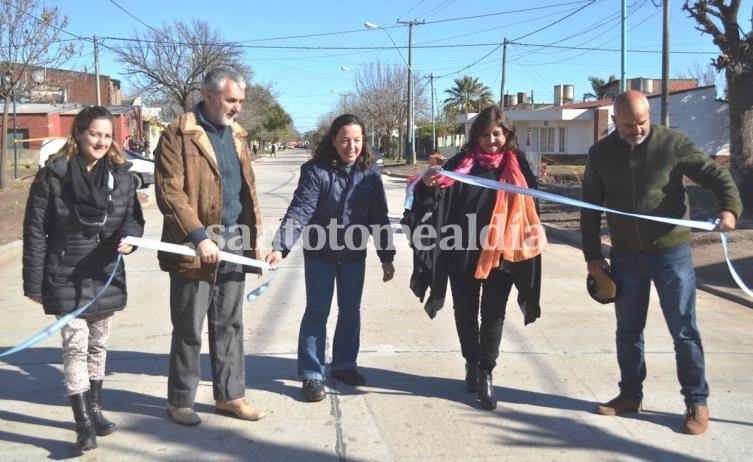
(188, 186)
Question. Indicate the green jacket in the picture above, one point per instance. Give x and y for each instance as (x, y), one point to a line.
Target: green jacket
(647, 179)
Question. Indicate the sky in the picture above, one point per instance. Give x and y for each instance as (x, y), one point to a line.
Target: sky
(309, 52)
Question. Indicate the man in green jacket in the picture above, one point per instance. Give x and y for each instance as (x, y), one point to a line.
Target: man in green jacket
(640, 168)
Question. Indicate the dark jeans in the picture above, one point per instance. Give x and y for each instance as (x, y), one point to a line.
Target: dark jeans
(673, 275)
(222, 303)
(320, 282)
(479, 344)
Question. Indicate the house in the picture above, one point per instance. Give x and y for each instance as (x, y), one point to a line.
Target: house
(47, 100)
(34, 122)
(562, 133)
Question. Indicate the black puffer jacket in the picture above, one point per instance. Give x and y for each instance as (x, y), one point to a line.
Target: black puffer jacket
(63, 261)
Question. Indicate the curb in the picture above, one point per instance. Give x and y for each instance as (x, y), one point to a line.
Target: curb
(11, 248)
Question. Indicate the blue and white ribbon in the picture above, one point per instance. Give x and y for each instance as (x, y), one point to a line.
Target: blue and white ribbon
(183, 250)
(492, 184)
(63, 320)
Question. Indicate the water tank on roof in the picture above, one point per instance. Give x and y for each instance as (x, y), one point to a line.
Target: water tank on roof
(558, 94)
(509, 100)
(568, 94)
(522, 98)
(643, 85)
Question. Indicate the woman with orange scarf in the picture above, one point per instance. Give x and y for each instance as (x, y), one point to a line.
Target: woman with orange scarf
(486, 241)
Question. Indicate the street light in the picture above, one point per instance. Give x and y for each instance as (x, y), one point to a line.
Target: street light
(410, 136)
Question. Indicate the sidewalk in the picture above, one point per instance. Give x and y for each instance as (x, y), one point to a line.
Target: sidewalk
(549, 377)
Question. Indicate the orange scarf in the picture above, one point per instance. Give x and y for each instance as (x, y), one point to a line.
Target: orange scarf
(515, 232)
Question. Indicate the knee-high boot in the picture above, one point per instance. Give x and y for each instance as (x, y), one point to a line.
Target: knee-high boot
(101, 424)
(86, 435)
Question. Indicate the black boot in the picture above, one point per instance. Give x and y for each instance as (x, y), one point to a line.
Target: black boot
(101, 424)
(486, 390)
(471, 377)
(86, 435)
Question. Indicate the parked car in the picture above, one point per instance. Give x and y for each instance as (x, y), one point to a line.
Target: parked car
(378, 158)
(49, 147)
(142, 169)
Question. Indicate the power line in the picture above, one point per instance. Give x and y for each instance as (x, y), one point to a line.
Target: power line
(132, 16)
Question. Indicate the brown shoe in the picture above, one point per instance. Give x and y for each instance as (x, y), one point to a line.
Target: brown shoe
(696, 419)
(238, 408)
(183, 415)
(619, 405)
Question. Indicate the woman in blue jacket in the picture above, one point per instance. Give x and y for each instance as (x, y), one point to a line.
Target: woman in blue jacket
(338, 204)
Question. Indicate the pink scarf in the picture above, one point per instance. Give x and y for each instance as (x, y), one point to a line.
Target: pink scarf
(515, 232)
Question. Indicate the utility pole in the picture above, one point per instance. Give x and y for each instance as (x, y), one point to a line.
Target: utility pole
(433, 122)
(96, 70)
(665, 67)
(410, 155)
(504, 73)
(623, 83)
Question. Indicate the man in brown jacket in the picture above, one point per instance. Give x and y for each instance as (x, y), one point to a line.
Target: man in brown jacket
(207, 194)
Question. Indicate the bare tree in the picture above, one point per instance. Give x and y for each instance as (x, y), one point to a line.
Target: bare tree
(29, 38)
(168, 63)
(381, 91)
(718, 18)
(706, 75)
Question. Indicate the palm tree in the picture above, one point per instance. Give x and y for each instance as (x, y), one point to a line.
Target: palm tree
(468, 95)
(598, 85)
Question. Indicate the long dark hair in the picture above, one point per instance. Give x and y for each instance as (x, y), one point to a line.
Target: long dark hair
(494, 115)
(81, 123)
(326, 150)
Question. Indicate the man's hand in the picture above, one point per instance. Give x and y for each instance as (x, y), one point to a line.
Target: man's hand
(727, 222)
(388, 271)
(208, 251)
(274, 257)
(595, 268)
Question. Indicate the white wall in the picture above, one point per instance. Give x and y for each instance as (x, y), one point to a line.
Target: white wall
(700, 116)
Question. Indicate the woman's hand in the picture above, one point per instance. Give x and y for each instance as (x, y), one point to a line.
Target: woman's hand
(124, 248)
(274, 257)
(35, 298)
(388, 270)
(430, 178)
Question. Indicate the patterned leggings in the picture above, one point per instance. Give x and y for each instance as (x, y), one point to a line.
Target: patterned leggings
(85, 351)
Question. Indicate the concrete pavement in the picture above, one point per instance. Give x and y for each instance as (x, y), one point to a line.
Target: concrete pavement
(414, 407)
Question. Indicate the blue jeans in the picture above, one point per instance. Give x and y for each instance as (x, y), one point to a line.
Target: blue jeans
(320, 281)
(672, 272)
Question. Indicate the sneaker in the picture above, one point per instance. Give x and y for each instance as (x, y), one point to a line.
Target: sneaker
(696, 419)
(349, 376)
(619, 405)
(313, 390)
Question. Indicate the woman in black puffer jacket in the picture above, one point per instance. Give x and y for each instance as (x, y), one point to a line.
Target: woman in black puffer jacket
(81, 205)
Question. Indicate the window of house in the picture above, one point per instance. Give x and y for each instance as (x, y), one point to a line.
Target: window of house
(546, 137)
(562, 139)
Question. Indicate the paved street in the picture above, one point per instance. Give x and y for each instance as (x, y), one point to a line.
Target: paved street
(414, 407)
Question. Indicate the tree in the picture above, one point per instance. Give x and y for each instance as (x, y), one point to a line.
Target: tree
(718, 18)
(598, 85)
(381, 91)
(168, 63)
(705, 75)
(468, 95)
(29, 39)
